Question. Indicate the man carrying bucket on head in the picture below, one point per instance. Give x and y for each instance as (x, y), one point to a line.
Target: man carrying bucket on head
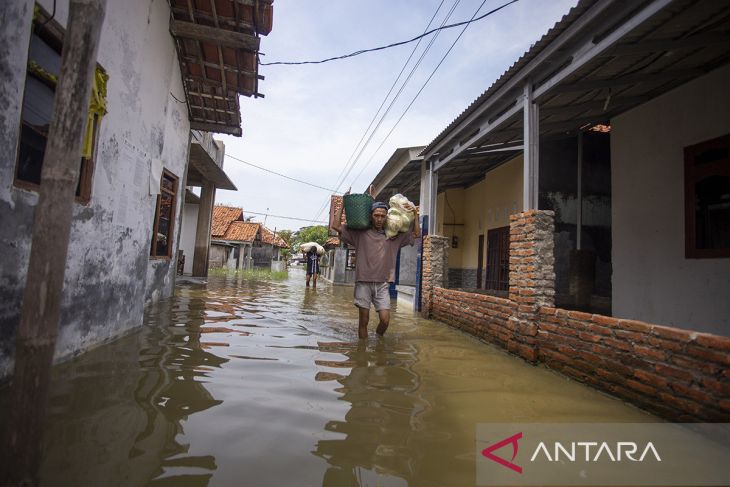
(376, 258)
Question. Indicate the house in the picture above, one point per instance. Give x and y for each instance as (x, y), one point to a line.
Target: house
(205, 170)
(156, 80)
(578, 211)
(341, 258)
(238, 244)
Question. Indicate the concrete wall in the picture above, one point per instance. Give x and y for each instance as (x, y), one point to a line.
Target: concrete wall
(652, 279)
(481, 207)
(109, 274)
(187, 236)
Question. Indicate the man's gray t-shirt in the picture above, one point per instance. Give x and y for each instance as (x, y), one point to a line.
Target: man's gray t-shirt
(376, 254)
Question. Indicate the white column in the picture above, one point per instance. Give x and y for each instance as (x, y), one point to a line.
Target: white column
(531, 168)
(433, 193)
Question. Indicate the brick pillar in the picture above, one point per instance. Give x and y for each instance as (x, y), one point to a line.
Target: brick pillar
(531, 277)
(434, 270)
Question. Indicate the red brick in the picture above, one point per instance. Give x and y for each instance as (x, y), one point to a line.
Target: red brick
(579, 315)
(628, 335)
(605, 320)
(650, 352)
(618, 344)
(716, 386)
(640, 387)
(670, 333)
(589, 337)
(611, 376)
(707, 354)
(724, 404)
(673, 372)
(633, 325)
(713, 341)
(663, 344)
(651, 378)
(685, 405)
(693, 364)
(691, 392)
(601, 330)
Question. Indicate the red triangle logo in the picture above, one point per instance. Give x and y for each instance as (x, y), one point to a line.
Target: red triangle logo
(487, 452)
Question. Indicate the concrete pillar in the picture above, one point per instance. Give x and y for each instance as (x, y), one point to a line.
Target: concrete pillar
(202, 234)
(531, 144)
(531, 277)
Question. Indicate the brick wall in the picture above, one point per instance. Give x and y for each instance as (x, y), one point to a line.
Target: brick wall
(675, 373)
(481, 315)
(434, 268)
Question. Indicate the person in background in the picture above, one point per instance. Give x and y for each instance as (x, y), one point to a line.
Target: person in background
(376, 258)
(312, 265)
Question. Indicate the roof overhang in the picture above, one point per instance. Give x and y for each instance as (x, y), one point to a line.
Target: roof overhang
(203, 169)
(401, 174)
(602, 59)
(217, 44)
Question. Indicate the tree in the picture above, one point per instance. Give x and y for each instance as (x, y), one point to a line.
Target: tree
(315, 233)
(286, 236)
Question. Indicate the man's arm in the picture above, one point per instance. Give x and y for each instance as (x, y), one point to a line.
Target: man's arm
(416, 223)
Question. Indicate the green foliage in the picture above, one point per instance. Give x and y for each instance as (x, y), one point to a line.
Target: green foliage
(286, 236)
(315, 233)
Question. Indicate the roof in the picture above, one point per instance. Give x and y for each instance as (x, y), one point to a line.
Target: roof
(223, 216)
(267, 236)
(401, 174)
(217, 44)
(332, 242)
(603, 58)
(239, 231)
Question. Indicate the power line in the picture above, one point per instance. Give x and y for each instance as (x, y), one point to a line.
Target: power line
(284, 217)
(426, 83)
(282, 175)
(363, 51)
(350, 164)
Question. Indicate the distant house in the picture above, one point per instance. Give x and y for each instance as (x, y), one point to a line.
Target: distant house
(148, 96)
(238, 244)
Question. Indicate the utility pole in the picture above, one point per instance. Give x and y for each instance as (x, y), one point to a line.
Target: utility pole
(36, 335)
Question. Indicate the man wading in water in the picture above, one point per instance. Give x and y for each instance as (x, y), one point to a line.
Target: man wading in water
(375, 268)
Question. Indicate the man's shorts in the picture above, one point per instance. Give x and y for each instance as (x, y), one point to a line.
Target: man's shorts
(372, 293)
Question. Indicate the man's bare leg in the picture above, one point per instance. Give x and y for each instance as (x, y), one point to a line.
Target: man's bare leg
(384, 315)
(362, 325)
(309, 276)
(314, 276)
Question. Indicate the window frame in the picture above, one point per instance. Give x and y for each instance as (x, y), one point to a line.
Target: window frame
(496, 279)
(156, 223)
(52, 33)
(692, 175)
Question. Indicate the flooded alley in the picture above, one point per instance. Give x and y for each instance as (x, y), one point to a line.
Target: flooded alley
(265, 383)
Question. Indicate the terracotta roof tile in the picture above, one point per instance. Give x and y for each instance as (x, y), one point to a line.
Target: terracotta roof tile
(223, 216)
(267, 236)
(332, 242)
(242, 231)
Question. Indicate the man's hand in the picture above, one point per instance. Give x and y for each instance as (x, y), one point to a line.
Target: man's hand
(411, 208)
(370, 191)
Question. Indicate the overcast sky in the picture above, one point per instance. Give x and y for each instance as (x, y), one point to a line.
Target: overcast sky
(313, 116)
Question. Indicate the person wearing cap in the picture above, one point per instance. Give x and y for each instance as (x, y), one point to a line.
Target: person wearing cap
(376, 258)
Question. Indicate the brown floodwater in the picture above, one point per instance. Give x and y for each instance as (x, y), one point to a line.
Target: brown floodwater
(265, 383)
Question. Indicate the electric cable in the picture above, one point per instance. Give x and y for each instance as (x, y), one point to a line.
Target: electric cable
(350, 162)
(281, 175)
(425, 84)
(363, 51)
(246, 212)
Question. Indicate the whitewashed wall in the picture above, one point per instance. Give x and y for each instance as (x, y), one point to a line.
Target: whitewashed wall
(109, 274)
(652, 279)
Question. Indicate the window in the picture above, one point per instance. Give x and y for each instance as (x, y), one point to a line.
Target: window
(44, 67)
(351, 259)
(707, 199)
(498, 259)
(164, 222)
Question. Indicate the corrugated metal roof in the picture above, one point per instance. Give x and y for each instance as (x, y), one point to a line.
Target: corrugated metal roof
(534, 50)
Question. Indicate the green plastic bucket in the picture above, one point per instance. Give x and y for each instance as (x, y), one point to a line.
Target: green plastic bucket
(357, 210)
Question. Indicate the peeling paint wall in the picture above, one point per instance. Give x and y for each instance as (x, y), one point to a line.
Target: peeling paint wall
(109, 274)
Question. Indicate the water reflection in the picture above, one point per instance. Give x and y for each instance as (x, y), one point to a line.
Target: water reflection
(117, 415)
(381, 388)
